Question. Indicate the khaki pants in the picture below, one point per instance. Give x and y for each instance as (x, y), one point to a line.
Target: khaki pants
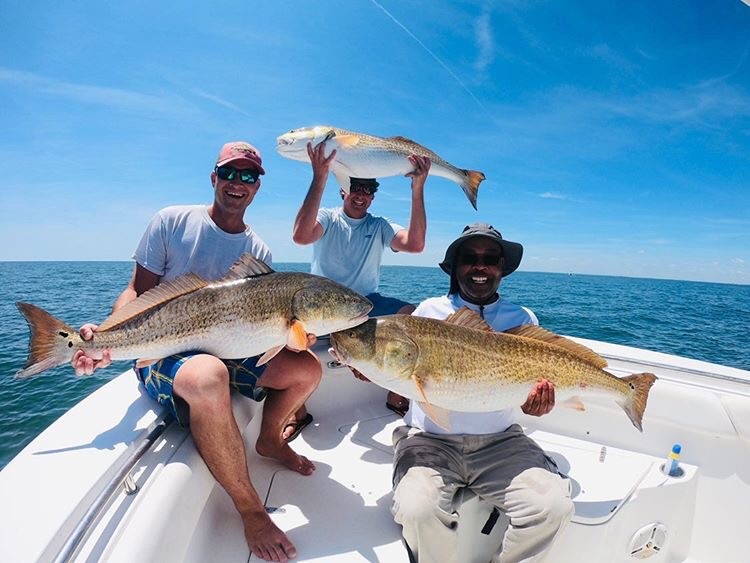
(507, 469)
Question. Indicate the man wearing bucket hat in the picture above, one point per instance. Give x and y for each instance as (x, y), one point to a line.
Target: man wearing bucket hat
(195, 387)
(348, 241)
(485, 452)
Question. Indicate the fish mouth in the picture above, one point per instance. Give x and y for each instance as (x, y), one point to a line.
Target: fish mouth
(359, 319)
(335, 355)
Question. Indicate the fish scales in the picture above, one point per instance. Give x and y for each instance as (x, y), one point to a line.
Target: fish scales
(360, 155)
(476, 361)
(450, 365)
(216, 319)
(251, 311)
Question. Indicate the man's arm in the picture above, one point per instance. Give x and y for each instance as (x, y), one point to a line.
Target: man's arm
(306, 227)
(141, 281)
(412, 239)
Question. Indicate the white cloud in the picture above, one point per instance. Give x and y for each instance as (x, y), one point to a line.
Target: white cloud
(484, 41)
(552, 195)
(98, 95)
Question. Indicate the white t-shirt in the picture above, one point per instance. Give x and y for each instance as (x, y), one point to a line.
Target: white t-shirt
(351, 250)
(500, 315)
(183, 239)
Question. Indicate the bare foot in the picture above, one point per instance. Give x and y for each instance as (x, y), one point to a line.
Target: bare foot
(286, 456)
(265, 539)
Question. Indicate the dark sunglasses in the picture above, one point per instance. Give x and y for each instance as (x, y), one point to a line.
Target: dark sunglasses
(367, 190)
(229, 173)
(480, 259)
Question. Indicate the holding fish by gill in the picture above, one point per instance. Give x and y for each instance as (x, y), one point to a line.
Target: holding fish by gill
(460, 364)
(252, 310)
(359, 155)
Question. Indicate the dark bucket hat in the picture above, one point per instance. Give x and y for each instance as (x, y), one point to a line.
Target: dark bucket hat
(512, 251)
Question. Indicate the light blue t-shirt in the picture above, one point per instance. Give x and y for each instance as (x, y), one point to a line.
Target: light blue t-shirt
(351, 250)
(500, 315)
(183, 239)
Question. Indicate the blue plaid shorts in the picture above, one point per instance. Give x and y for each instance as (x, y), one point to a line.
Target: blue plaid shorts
(158, 379)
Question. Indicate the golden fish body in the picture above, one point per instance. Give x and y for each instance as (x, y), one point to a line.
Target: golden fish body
(246, 314)
(360, 155)
(459, 368)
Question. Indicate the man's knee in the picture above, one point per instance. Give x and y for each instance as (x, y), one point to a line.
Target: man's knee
(307, 371)
(560, 507)
(416, 497)
(201, 376)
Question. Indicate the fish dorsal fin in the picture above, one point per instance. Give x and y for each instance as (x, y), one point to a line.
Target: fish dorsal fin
(579, 350)
(467, 318)
(405, 140)
(154, 297)
(248, 266)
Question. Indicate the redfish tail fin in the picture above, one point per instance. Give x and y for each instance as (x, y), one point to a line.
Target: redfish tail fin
(51, 342)
(634, 406)
(470, 185)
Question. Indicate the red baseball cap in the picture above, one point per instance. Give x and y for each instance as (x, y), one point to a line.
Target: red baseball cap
(242, 153)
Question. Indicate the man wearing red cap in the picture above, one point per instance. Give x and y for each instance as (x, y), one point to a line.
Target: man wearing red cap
(207, 240)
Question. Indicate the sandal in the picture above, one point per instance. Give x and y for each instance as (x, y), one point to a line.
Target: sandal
(298, 425)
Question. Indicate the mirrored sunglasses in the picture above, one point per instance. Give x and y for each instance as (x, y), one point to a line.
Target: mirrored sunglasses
(230, 173)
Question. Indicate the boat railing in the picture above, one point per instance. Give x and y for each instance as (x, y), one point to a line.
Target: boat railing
(724, 378)
(122, 478)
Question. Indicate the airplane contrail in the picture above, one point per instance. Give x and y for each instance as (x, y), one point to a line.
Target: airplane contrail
(434, 56)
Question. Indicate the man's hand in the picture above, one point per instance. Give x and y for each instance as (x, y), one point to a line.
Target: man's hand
(81, 362)
(321, 164)
(421, 170)
(541, 399)
(311, 340)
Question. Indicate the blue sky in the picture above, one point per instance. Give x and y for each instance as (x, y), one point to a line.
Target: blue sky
(615, 136)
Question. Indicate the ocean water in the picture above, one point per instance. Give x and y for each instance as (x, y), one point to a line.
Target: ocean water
(705, 321)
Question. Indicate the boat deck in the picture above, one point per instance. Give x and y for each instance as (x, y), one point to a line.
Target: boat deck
(342, 512)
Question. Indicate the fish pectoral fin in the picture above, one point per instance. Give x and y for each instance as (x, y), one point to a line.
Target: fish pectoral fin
(144, 363)
(574, 403)
(439, 415)
(467, 318)
(268, 356)
(347, 141)
(247, 266)
(153, 298)
(296, 338)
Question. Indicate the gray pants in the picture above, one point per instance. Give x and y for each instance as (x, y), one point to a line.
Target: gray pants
(507, 469)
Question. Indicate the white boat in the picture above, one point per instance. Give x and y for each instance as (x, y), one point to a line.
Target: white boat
(112, 481)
